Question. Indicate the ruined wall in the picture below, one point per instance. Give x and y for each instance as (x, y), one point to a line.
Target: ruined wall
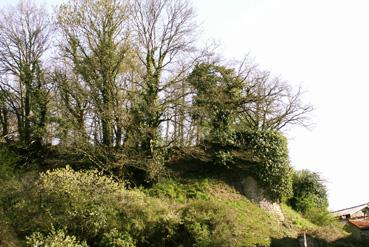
(256, 194)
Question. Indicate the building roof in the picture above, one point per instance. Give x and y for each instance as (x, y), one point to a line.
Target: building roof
(350, 211)
(361, 224)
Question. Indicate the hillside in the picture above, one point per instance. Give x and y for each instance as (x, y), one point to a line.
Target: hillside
(82, 208)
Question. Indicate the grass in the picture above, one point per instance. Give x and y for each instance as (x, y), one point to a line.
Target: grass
(257, 226)
(204, 203)
(295, 221)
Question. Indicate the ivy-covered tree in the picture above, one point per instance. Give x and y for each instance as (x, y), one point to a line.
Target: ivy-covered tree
(4, 117)
(217, 96)
(96, 44)
(24, 39)
(163, 34)
(72, 107)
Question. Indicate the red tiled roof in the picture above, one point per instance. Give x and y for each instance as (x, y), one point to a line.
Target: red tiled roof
(361, 224)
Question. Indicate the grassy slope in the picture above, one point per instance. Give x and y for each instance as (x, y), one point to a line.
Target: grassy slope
(255, 226)
(258, 227)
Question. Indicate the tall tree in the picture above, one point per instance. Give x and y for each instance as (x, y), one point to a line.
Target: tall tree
(4, 117)
(275, 104)
(164, 34)
(217, 96)
(24, 39)
(96, 43)
(73, 107)
(227, 100)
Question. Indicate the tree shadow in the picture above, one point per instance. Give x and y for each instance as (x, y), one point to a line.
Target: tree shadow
(284, 242)
(201, 166)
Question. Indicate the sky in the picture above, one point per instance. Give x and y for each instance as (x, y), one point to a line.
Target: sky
(322, 46)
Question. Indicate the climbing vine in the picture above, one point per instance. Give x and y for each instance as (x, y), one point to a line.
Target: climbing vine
(270, 166)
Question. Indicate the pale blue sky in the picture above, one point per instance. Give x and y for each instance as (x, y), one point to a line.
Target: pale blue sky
(323, 46)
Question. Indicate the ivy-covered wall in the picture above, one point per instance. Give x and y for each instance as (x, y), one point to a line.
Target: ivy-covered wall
(270, 166)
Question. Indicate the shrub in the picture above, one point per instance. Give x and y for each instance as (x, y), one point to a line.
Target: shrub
(310, 197)
(308, 191)
(8, 161)
(54, 239)
(84, 202)
(19, 201)
(320, 217)
(206, 223)
(114, 238)
(150, 221)
(8, 236)
(88, 205)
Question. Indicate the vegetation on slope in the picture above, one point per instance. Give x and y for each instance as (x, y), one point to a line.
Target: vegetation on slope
(88, 208)
(90, 143)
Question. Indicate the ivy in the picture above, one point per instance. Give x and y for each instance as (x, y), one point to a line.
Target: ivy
(271, 166)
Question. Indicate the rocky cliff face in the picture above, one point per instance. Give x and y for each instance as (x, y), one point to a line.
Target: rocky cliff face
(257, 195)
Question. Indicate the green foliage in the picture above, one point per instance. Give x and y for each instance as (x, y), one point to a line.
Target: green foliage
(207, 223)
(85, 203)
(8, 162)
(223, 158)
(99, 211)
(310, 197)
(8, 237)
(180, 192)
(294, 220)
(217, 94)
(114, 238)
(271, 166)
(308, 190)
(54, 239)
(320, 217)
(18, 199)
(89, 205)
(149, 221)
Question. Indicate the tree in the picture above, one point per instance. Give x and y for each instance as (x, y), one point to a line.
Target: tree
(274, 106)
(163, 32)
(308, 191)
(96, 44)
(73, 105)
(4, 117)
(24, 39)
(217, 95)
(228, 100)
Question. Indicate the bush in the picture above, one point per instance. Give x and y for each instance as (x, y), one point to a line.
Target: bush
(54, 239)
(85, 203)
(114, 238)
(310, 197)
(150, 221)
(8, 236)
(8, 161)
(88, 205)
(308, 191)
(207, 223)
(19, 201)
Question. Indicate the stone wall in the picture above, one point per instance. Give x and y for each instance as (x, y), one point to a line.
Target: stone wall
(256, 194)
